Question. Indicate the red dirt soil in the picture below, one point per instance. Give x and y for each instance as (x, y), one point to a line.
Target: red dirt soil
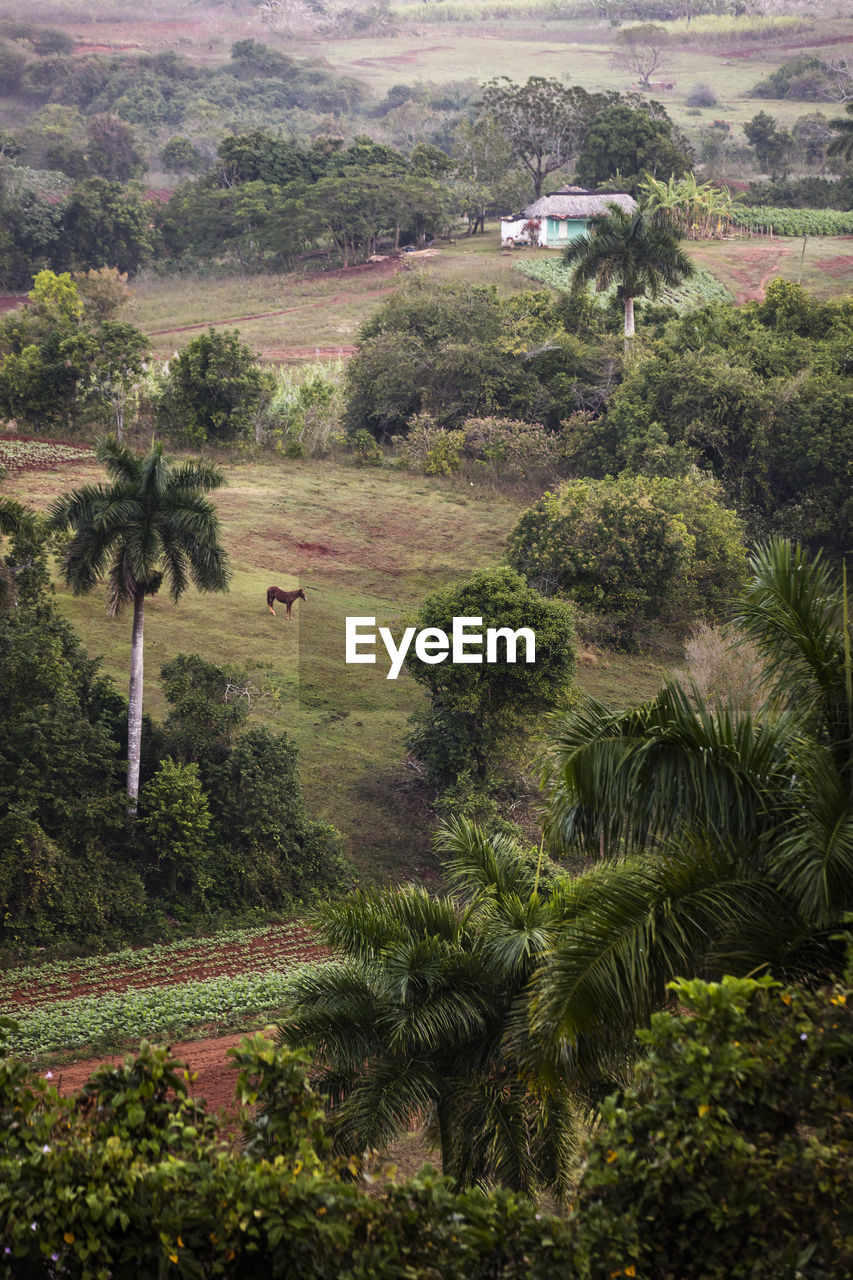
(838, 268)
(206, 1059)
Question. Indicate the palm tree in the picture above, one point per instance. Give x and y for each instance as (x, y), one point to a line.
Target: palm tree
(842, 145)
(151, 522)
(725, 842)
(421, 1014)
(638, 252)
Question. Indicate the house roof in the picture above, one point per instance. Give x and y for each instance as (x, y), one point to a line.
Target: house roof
(575, 202)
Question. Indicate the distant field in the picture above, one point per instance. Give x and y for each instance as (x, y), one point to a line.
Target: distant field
(576, 49)
(322, 311)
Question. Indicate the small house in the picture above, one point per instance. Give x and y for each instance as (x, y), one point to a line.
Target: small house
(565, 215)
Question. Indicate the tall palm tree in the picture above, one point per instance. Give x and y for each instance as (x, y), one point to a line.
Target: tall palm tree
(724, 842)
(420, 1015)
(638, 252)
(151, 522)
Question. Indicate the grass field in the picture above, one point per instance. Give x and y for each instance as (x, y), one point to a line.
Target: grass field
(310, 310)
(366, 543)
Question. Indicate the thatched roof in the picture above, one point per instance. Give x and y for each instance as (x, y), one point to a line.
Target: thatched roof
(574, 202)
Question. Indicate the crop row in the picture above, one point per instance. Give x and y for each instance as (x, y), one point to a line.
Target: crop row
(797, 222)
(699, 289)
(87, 1020)
(282, 960)
(18, 455)
(165, 956)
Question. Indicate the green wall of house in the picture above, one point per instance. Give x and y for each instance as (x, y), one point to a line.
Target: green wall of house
(559, 231)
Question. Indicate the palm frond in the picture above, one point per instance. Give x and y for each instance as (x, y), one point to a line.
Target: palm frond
(480, 863)
(632, 927)
(619, 781)
(812, 860)
(791, 610)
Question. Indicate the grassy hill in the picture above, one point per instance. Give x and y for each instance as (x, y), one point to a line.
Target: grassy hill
(361, 542)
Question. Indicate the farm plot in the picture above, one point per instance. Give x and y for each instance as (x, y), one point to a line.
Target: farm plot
(157, 990)
(23, 453)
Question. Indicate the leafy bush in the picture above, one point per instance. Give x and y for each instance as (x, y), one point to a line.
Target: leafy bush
(473, 706)
(127, 1178)
(429, 448)
(728, 1156)
(633, 548)
(701, 95)
(216, 390)
(364, 449)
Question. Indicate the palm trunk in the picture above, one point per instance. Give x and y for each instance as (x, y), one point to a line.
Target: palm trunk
(134, 710)
(629, 323)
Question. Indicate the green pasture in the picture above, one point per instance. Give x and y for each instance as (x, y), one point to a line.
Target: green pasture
(373, 544)
(305, 309)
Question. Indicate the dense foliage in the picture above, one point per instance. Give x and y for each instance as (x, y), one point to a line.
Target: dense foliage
(633, 548)
(476, 704)
(728, 1156)
(128, 1177)
(73, 868)
(457, 352)
(759, 396)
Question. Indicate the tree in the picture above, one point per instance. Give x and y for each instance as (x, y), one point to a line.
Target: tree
(746, 1086)
(113, 152)
(64, 873)
(416, 1016)
(106, 225)
(642, 50)
(475, 705)
(151, 523)
(632, 249)
(633, 548)
(725, 840)
(486, 173)
(115, 354)
(215, 389)
(842, 144)
(544, 122)
(772, 145)
(626, 142)
(19, 523)
(180, 155)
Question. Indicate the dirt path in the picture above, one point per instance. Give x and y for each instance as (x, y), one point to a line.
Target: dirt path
(768, 261)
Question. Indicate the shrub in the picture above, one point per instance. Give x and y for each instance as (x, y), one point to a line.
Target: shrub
(701, 95)
(728, 1156)
(429, 448)
(216, 390)
(633, 547)
(127, 1178)
(364, 449)
(474, 706)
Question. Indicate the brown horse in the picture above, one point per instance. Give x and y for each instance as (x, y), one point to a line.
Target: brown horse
(284, 597)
